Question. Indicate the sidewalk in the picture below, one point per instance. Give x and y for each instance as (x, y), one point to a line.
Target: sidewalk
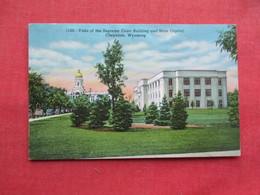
(46, 117)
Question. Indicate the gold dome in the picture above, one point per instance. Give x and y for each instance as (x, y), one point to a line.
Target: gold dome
(79, 74)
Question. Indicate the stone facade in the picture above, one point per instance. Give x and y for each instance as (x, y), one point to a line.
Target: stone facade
(199, 86)
(78, 88)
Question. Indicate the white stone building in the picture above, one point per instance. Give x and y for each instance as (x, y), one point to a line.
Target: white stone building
(79, 89)
(199, 86)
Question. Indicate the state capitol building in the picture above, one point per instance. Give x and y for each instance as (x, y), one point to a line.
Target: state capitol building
(200, 86)
(79, 89)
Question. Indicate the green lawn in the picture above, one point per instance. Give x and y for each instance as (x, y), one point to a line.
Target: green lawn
(203, 117)
(54, 138)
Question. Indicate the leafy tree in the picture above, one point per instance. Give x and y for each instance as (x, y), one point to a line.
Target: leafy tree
(36, 90)
(44, 96)
(164, 114)
(59, 98)
(152, 114)
(192, 104)
(111, 73)
(233, 112)
(122, 115)
(99, 112)
(179, 113)
(81, 110)
(227, 40)
(68, 104)
(145, 109)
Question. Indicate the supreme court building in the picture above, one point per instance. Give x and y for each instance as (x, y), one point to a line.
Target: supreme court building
(200, 86)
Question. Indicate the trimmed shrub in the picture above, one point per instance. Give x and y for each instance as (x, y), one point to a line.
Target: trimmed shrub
(179, 113)
(99, 113)
(152, 114)
(164, 114)
(145, 109)
(81, 110)
(122, 115)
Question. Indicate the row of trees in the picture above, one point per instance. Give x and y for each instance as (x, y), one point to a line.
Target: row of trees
(99, 112)
(44, 96)
(176, 116)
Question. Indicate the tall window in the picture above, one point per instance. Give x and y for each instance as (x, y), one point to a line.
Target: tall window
(207, 81)
(197, 103)
(219, 82)
(220, 92)
(220, 105)
(197, 81)
(186, 92)
(170, 81)
(197, 92)
(186, 81)
(170, 93)
(208, 92)
(187, 103)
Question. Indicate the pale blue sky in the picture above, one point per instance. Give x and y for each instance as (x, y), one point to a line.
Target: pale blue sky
(57, 54)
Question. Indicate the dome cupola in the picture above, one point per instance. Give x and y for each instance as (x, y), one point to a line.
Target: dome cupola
(79, 74)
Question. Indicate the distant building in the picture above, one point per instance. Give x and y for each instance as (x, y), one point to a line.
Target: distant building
(200, 86)
(79, 89)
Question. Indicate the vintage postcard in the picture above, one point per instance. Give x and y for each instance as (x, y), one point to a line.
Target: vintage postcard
(132, 91)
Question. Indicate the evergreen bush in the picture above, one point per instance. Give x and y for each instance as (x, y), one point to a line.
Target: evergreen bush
(81, 110)
(179, 113)
(99, 113)
(145, 109)
(122, 115)
(152, 114)
(164, 114)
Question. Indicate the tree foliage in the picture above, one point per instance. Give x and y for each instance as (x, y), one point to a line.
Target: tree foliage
(145, 109)
(36, 90)
(152, 114)
(192, 104)
(81, 110)
(233, 112)
(164, 114)
(179, 113)
(99, 112)
(122, 115)
(227, 40)
(135, 108)
(42, 95)
(111, 73)
(212, 103)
